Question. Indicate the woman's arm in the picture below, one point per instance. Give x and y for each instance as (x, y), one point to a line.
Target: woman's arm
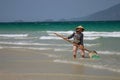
(71, 36)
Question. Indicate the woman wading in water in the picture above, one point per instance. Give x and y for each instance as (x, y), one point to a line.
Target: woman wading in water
(78, 39)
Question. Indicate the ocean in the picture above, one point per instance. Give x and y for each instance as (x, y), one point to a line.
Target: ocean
(102, 36)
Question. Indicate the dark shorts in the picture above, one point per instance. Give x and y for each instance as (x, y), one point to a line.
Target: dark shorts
(79, 43)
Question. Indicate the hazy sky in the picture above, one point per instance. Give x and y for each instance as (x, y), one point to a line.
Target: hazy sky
(37, 10)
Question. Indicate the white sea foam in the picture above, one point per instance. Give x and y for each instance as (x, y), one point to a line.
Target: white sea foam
(88, 35)
(41, 44)
(1, 47)
(89, 64)
(13, 35)
(59, 49)
(57, 38)
(49, 37)
(23, 43)
(32, 48)
(53, 56)
(38, 48)
(65, 61)
(89, 45)
(60, 32)
(90, 38)
(108, 52)
(102, 67)
(101, 34)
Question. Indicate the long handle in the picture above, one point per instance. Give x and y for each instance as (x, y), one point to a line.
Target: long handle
(59, 35)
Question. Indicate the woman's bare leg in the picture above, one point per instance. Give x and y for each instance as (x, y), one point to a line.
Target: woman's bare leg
(75, 48)
(82, 51)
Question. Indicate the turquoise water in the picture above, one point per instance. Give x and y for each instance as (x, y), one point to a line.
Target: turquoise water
(63, 26)
(104, 37)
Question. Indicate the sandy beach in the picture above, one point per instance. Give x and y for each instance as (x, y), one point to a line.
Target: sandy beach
(25, 64)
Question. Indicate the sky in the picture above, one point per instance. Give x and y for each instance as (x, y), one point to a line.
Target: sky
(40, 10)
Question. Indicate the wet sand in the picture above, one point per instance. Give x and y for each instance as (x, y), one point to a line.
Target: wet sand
(24, 64)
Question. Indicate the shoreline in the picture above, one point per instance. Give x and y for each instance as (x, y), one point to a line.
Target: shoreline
(25, 64)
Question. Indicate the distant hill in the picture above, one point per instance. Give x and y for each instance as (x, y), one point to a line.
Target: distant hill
(110, 14)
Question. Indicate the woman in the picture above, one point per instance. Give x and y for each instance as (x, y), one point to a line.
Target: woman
(78, 40)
